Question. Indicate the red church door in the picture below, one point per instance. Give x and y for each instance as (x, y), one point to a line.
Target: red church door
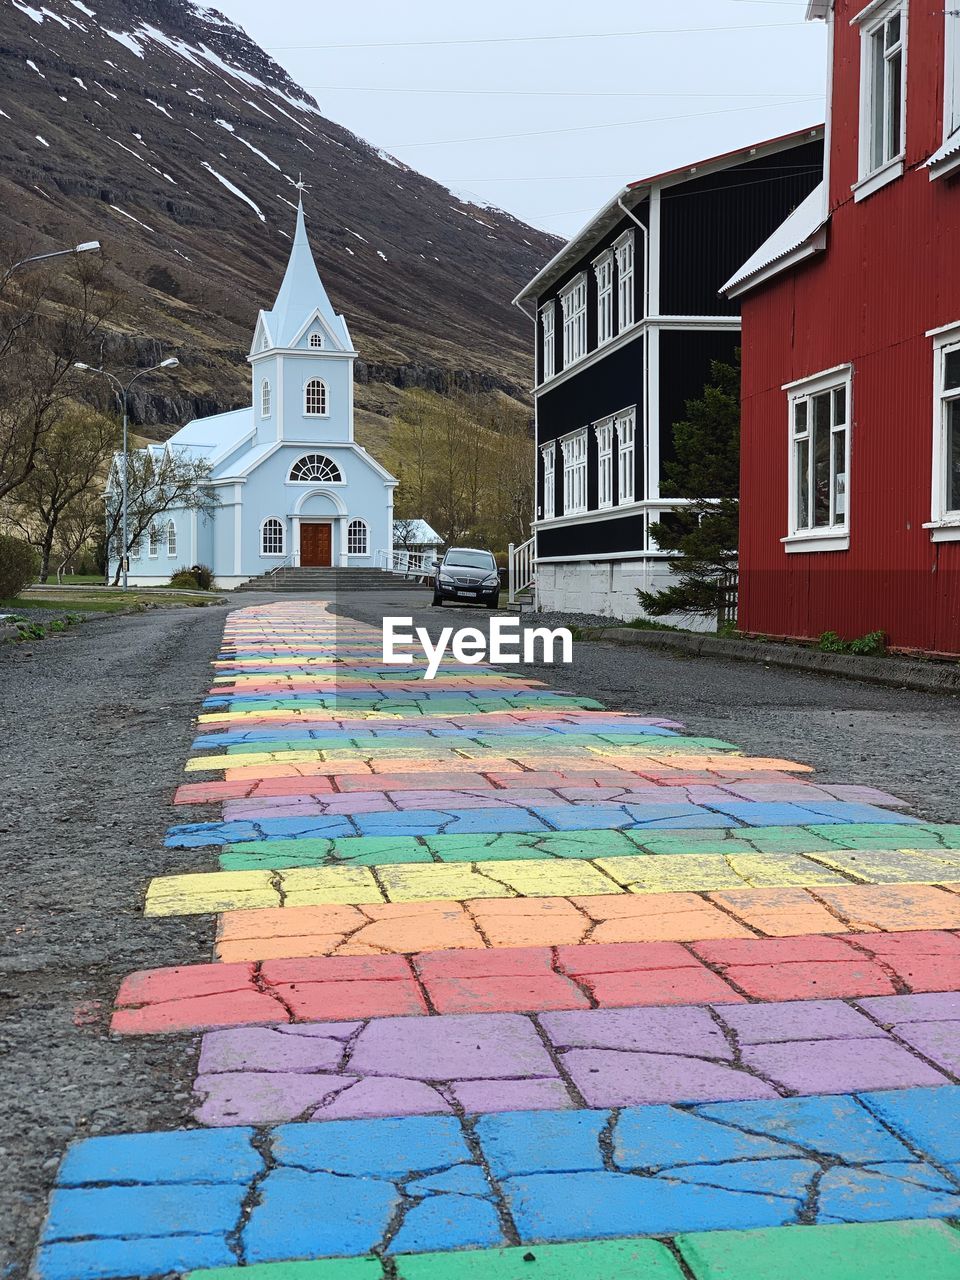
(316, 544)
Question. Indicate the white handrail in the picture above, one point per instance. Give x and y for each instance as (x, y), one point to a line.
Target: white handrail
(408, 564)
(520, 568)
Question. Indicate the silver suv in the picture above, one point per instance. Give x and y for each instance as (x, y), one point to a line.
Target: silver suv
(467, 575)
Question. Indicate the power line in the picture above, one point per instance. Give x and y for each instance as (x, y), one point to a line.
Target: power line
(607, 177)
(585, 128)
(539, 93)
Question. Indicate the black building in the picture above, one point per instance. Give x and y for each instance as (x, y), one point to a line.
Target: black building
(628, 317)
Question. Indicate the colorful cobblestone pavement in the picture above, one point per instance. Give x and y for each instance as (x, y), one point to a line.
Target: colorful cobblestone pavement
(509, 985)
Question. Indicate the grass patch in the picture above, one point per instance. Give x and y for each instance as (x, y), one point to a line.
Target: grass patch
(106, 600)
(649, 624)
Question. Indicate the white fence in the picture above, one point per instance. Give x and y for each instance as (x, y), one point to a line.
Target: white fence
(407, 564)
(520, 568)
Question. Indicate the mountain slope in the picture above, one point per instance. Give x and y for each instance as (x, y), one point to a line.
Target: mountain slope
(163, 130)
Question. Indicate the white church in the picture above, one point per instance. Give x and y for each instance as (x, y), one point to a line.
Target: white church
(294, 487)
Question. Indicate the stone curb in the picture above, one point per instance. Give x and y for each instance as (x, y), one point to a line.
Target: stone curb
(902, 673)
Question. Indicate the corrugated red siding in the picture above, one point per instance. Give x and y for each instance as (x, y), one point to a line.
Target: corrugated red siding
(891, 272)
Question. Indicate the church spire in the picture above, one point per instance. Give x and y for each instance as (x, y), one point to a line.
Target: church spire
(302, 293)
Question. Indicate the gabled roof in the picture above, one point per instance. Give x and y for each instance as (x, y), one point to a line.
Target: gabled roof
(211, 436)
(635, 192)
(301, 294)
(818, 9)
(418, 533)
(800, 236)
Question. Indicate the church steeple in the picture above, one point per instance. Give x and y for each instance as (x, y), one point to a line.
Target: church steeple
(302, 296)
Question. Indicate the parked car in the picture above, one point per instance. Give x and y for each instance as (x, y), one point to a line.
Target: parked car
(467, 574)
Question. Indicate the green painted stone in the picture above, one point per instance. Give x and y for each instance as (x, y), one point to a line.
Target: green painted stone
(692, 842)
(874, 1251)
(322, 1269)
(591, 1260)
(356, 851)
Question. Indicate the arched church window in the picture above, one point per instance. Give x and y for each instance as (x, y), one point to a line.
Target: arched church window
(316, 341)
(315, 399)
(171, 539)
(315, 466)
(357, 538)
(154, 540)
(264, 399)
(271, 537)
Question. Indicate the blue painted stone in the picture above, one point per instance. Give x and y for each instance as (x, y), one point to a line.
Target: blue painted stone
(855, 1195)
(789, 1178)
(780, 814)
(585, 1206)
(704, 820)
(464, 1179)
(661, 1137)
(925, 1174)
(836, 1126)
(541, 1141)
(448, 1222)
(101, 1259)
(316, 1215)
(184, 1155)
(414, 822)
(196, 835)
(390, 1148)
(111, 1212)
(927, 1118)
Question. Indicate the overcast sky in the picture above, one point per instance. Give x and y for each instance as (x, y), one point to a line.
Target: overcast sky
(492, 101)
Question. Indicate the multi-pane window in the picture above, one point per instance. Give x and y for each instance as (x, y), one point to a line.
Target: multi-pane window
(549, 452)
(623, 251)
(573, 300)
(136, 548)
(603, 270)
(264, 399)
(357, 538)
(548, 315)
(271, 537)
(951, 112)
(154, 540)
(604, 434)
(316, 341)
(315, 466)
(574, 472)
(882, 89)
(315, 398)
(625, 425)
(819, 422)
(171, 539)
(947, 447)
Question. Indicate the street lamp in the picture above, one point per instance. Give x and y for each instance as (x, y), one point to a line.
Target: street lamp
(121, 392)
(88, 246)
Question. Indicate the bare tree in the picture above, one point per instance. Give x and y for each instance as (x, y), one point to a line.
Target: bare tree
(47, 322)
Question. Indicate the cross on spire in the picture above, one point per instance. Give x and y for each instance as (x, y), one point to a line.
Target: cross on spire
(300, 185)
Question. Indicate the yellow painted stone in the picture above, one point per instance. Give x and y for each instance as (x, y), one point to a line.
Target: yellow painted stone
(895, 866)
(552, 877)
(422, 882)
(251, 759)
(213, 891)
(318, 886)
(673, 873)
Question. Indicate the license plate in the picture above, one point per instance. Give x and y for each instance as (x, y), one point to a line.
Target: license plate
(471, 594)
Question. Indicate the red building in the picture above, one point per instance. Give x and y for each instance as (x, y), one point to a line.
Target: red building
(850, 498)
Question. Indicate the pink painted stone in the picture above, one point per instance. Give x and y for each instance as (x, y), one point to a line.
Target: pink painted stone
(610, 1078)
(841, 1066)
(455, 1047)
(797, 1020)
(383, 1096)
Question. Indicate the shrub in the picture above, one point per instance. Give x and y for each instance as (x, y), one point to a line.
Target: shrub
(872, 645)
(204, 576)
(19, 566)
(185, 580)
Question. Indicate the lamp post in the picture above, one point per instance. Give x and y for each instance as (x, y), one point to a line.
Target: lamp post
(88, 246)
(122, 392)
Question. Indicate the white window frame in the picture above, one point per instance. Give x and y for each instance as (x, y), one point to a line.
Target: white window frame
(315, 342)
(604, 433)
(335, 467)
(625, 426)
(603, 271)
(875, 173)
(136, 548)
(171, 538)
(624, 249)
(324, 411)
(574, 449)
(951, 76)
(153, 542)
(573, 302)
(548, 339)
(834, 536)
(270, 555)
(355, 526)
(944, 523)
(549, 498)
(266, 398)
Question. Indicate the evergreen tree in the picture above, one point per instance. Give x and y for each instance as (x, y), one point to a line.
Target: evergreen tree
(704, 534)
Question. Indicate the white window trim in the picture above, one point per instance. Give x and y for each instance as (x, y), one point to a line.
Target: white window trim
(870, 20)
(266, 398)
(153, 543)
(315, 480)
(574, 322)
(549, 452)
(822, 538)
(316, 346)
(326, 399)
(604, 434)
(548, 340)
(620, 420)
(574, 507)
(947, 158)
(627, 239)
(606, 299)
(944, 525)
(170, 528)
(366, 538)
(274, 555)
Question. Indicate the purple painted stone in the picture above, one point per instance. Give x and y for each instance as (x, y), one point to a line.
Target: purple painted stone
(938, 1040)
(383, 1097)
(797, 1020)
(684, 1029)
(937, 1006)
(608, 1078)
(250, 1097)
(455, 1047)
(264, 1049)
(840, 1066)
(330, 1030)
(478, 1096)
